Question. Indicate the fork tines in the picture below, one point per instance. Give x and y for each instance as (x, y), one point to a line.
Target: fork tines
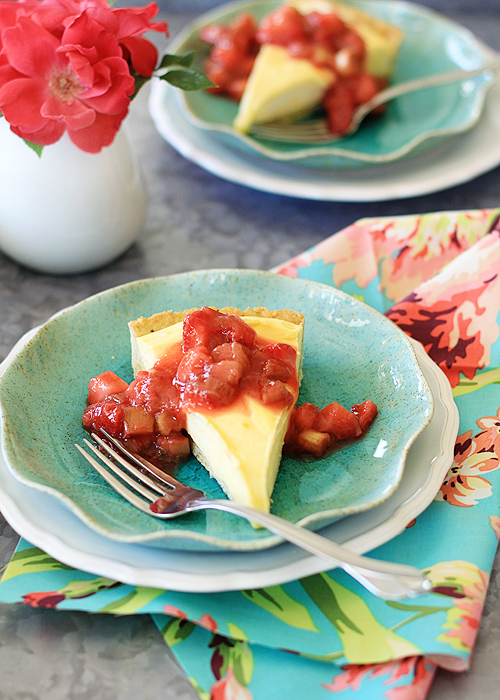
(127, 486)
(156, 486)
(314, 131)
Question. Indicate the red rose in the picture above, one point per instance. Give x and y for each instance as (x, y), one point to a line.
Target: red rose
(69, 66)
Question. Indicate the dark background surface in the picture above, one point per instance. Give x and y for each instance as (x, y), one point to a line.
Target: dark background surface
(196, 220)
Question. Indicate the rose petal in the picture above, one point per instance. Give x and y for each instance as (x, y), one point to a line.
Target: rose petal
(100, 134)
(21, 101)
(116, 99)
(49, 134)
(30, 49)
(76, 114)
(143, 54)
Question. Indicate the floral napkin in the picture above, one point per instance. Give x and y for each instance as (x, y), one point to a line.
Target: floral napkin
(438, 277)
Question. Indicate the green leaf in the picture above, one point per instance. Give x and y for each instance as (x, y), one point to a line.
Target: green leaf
(277, 602)
(32, 560)
(140, 80)
(242, 662)
(236, 632)
(424, 609)
(185, 60)
(133, 602)
(35, 146)
(318, 589)
(177, 630)
(187, 79)
(364, 639)
(480, 380)
(231, 653)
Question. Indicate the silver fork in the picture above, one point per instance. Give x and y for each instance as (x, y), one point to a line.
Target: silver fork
(384, 579)
(316, 130)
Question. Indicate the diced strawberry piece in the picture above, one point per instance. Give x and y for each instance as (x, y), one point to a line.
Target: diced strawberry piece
(338, 421)
(364, 87)
(282, 351)
(143, 391)
(283, 26)
(313, 442)
(195, 363)
(275, 391)
(104, 385)
(352, 41)
(243, 31)
(227, 54)
(301, 49)
(275, 369)
(216, 391)
(237, 331)
(218, 74)
(228, 371)
(339, 105)
(365, 413)
(324, 27)
(137, 421)
(210, 328)
(208, 391)
(235, 88)
(199, 327)
(232, 351)
(346, 63)
(166, 422)
(213, 33)
(175, 445)
(304, 416)
(104, 415)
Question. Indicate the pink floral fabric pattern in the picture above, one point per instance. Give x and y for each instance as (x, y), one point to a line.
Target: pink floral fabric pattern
(229, 688)
(400, 252)
(464, 484)
(495, 524)
(467, 585)
(455, 314)
(421, 674)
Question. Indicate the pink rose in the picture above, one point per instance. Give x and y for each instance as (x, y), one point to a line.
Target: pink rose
(69, 66)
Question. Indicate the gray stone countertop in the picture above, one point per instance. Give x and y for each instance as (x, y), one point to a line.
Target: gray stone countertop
(195, 221)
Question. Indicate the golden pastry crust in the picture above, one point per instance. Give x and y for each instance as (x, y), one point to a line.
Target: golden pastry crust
(143, 326)
(164, 319)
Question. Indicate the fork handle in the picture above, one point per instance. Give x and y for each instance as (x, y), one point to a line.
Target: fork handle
(426, 81)
(384, 579)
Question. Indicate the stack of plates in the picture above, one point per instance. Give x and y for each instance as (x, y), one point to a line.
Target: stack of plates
(411, 150)
(361, 496)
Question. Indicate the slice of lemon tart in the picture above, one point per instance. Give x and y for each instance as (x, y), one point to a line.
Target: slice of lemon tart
(292, 76)
(235, 375)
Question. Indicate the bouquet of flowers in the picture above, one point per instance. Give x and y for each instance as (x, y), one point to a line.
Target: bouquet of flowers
(75, 65)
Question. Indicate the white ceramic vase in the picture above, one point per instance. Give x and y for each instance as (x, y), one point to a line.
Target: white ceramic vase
(68, 211)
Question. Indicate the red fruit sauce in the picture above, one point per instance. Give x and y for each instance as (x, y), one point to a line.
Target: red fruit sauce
(219, 359)
(323, 39)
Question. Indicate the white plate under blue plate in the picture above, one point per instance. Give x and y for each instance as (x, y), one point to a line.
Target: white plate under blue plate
(45, 522)
(411, 123)
(476, 152)
(351, 353)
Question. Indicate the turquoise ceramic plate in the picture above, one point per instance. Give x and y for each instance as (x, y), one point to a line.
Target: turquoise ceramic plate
(351, 353)
(411, 124)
